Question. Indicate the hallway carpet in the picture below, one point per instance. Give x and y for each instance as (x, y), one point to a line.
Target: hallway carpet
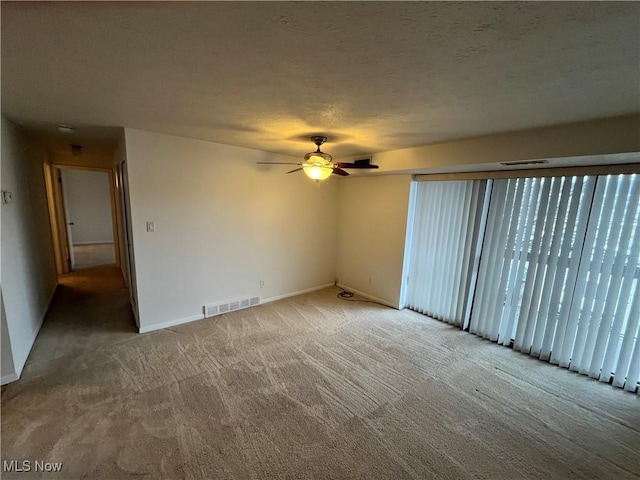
(93, 255)
(307, 387)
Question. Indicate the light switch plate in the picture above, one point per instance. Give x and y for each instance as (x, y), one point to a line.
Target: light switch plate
(7, 197)
(151, 227)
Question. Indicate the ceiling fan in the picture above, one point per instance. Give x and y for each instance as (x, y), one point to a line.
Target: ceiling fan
(318, 166)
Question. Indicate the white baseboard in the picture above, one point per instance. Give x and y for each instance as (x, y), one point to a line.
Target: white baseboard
(170, 323)
(294, 294)
(193, 318)
(10, 377)
(369, 297)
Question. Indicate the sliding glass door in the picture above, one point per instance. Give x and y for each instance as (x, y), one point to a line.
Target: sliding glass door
(559, 269)
(447, 220)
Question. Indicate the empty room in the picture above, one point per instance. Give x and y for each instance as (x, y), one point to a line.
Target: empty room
(375, 240)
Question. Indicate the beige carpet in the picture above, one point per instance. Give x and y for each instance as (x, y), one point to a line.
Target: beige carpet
(94, 254)
(309, 387)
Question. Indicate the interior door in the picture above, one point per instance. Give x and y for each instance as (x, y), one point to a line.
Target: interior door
(131, 268)
(61, 227)
(125, 215)
(69, 224)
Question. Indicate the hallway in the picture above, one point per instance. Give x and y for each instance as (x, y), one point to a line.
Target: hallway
(90, 311)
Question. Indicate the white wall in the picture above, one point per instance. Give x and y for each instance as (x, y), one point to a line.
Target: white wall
(595, 142)
(28, 265)
(222, 224)
(88, 203)
(371, 239)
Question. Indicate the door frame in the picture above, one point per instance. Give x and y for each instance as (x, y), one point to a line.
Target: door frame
(128, 267)
(68, 223)
(53, 171)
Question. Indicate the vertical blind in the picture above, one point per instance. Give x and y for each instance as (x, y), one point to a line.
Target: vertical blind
(604, 315)
(530, 255)
(559, 271)
(444, 238)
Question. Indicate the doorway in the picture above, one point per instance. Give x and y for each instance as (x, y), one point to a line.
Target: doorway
(86, 214)
(87, 203)
(87, 233)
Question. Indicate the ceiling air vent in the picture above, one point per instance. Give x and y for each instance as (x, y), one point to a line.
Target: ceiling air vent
(523, 162)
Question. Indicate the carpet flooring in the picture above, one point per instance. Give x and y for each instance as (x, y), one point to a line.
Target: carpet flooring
(93, 254)
(308, 387)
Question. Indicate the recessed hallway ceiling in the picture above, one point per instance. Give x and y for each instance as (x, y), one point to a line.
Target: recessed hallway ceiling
(372, 76)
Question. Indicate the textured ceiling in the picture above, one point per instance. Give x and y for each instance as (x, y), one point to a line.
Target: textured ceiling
(372, 76)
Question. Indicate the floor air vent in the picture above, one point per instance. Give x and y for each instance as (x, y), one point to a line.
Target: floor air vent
(214, 309)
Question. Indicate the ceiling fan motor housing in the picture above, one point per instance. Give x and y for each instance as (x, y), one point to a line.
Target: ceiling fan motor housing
(317, 157)
(318, 140)
(321, 158)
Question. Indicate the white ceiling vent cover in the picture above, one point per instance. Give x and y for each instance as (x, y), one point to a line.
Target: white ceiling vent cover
(213, 309)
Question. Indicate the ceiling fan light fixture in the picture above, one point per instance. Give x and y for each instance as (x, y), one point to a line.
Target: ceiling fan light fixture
(317, 167)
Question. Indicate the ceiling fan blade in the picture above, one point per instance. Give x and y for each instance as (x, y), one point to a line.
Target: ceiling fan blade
(339, 171)
(295, 170)
(277, 163)
(356, 165)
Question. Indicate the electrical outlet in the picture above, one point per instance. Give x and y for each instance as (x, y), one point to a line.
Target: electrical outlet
(263, 283)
